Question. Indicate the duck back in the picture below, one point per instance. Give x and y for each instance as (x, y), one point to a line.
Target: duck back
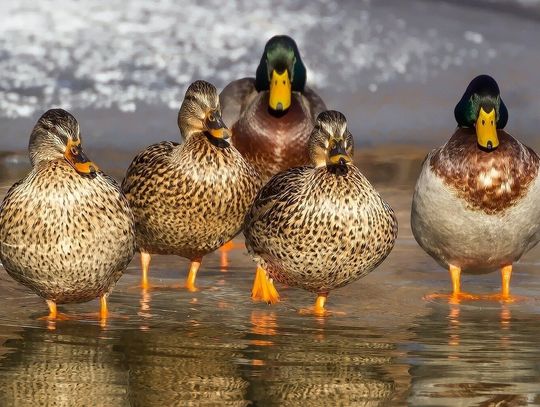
(189, 199)
(318, 230)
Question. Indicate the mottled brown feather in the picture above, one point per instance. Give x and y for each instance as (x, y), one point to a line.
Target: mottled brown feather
(489, 181)
(318, 229)
(67, 236)
(188, 199)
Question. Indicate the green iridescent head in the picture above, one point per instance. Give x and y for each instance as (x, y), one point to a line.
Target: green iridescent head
(281, 71)
(482, 108)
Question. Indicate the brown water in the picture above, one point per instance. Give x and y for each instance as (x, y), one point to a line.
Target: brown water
(215, 347)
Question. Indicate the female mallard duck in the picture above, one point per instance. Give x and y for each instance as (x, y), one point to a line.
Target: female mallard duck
(272, 114)
(475, 207)
(190, 198)
(319, 227)
(66, 230)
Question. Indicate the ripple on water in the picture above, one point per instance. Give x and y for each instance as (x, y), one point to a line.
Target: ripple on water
(215, 347)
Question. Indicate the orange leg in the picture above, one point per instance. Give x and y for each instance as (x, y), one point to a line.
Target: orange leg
(319, 309)
(194, 267)
(504, 295)
(457, 295)
(263, 288)
(455, 275)
(319, 303)
(54, 315)
(224, 250)
(104, 309)
(145, 265)
(506, 274)
(53, 312)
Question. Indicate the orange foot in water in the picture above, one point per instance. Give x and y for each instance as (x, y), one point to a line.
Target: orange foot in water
(454, 298)
(319, 309)
(263, 288)
(224, 251)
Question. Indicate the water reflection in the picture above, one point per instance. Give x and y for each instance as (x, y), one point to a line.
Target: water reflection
(195, 364)
(486, 355)
(170, 347)
(73, 365)
(315, 361)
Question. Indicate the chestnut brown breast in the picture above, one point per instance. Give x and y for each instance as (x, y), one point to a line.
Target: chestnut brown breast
(490, 181)
(274, 143)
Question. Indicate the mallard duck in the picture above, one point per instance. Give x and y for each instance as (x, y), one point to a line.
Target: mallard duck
(475, 207)
(272, 114)
(322, 226)
(66, 230)
(190, 198)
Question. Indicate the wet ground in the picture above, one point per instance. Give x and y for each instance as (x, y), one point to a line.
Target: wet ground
(396, 69)
(171, 347)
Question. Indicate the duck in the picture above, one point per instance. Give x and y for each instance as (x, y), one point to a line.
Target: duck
(66, 230)
(475, 205)
(321, 226)
(190, 198)
(271, 115)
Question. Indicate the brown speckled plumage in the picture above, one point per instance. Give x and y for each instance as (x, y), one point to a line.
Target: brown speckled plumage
(65, 235)
(190, 198)
(491, 182)
(320, 228)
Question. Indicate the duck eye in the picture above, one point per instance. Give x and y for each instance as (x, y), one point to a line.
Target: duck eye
(211, 117)
(75, 150)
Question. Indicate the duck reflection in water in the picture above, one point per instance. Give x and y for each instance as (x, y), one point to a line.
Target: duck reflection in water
(312, 362)
(482, 355)
(178, 366)
(73, 365)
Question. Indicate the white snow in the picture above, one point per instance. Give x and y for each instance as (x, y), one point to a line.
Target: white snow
(120, 54)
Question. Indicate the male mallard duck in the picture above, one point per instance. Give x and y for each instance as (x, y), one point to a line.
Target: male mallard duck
(319, 227)
(272, 114)
(190, 198)
(475, 207)
(66, 230)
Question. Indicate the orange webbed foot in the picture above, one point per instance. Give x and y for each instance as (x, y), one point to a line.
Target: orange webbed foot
(453, 298)
(263, 288)
(505, 298)
(319, 309)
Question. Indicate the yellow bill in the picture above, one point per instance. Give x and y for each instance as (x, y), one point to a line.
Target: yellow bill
(486, 129)
(280, 91)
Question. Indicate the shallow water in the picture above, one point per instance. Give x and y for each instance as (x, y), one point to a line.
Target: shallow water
(396, 69)
(171, 347)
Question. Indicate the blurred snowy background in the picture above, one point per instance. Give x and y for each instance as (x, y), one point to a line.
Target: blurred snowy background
(395, 68)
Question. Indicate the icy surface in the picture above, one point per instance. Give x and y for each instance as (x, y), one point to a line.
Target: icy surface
(106, 54)
(394, 68)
